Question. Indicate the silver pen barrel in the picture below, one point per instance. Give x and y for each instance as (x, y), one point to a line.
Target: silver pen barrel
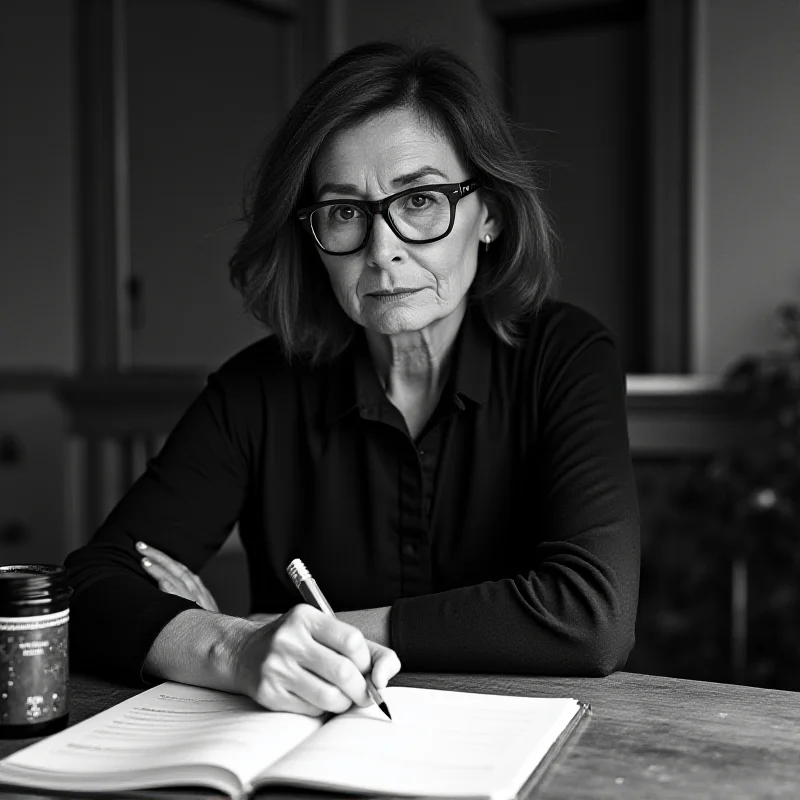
(312, 594)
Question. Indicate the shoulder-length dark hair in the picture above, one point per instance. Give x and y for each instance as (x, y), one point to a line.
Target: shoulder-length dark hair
(276, 266)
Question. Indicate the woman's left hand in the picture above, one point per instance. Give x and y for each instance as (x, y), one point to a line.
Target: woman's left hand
(174, 577)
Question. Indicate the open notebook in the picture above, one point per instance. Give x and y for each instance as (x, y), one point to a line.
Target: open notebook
(453, 744)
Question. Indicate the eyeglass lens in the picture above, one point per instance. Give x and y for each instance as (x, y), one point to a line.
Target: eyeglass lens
(419, 217)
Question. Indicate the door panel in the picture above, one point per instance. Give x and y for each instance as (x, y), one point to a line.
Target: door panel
(578, 93)
(208, 81)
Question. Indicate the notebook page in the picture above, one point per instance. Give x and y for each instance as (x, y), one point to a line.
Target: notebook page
(439, 743)
(169, 725)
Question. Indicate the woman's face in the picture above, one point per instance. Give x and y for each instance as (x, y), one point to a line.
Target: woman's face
(391, 286)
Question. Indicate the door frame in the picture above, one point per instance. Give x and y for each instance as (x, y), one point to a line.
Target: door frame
(668, 47)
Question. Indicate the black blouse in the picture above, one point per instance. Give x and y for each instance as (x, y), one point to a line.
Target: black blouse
(505, 538)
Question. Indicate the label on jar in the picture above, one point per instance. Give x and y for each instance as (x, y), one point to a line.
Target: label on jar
(34, 668)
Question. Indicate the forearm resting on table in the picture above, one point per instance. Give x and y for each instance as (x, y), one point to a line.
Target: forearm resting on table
(372, 622)
(199, 646)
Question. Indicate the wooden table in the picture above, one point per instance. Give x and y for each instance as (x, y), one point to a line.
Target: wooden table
(647, 736)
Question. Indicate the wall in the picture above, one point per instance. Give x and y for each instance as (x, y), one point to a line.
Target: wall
(37, 186)
(39, 213)
(747, 173)
(460, 25)
(746, 238)
(747, 128)
(37, 272)
(746, 152)
(202, 97)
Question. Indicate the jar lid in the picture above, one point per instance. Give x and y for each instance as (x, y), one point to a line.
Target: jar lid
(19, 582)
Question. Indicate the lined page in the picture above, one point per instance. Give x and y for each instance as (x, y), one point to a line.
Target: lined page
(169, 725)
(439, 743)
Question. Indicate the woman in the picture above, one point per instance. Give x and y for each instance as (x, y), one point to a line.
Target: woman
(441, 442)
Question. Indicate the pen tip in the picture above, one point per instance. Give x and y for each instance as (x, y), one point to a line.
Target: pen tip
(383, 707)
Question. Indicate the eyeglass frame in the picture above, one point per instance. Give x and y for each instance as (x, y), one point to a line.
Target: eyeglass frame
(453, 191)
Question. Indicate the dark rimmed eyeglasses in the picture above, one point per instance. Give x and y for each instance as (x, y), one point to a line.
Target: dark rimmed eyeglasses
(419, 215)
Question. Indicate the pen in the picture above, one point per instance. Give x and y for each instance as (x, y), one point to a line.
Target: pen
(312, 594)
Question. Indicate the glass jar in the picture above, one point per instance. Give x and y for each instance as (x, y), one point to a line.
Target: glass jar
(34, 651)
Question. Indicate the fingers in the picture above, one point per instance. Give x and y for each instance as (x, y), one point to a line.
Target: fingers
(336, 635)
(296, 705)
(385, 664)
(169, 584)
(284, 681)
(309, 657)
(175, 578)
(332, 657)
(332, 678)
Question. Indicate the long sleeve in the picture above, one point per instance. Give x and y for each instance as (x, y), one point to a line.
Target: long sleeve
(505, 538)
(185, 504)
(571, 608)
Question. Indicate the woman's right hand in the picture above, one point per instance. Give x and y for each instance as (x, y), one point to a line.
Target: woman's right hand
(310, 663)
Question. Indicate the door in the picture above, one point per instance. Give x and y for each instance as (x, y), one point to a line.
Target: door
(577, 91)
(207, 82)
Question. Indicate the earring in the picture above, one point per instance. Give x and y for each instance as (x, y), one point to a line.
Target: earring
(487, 240)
